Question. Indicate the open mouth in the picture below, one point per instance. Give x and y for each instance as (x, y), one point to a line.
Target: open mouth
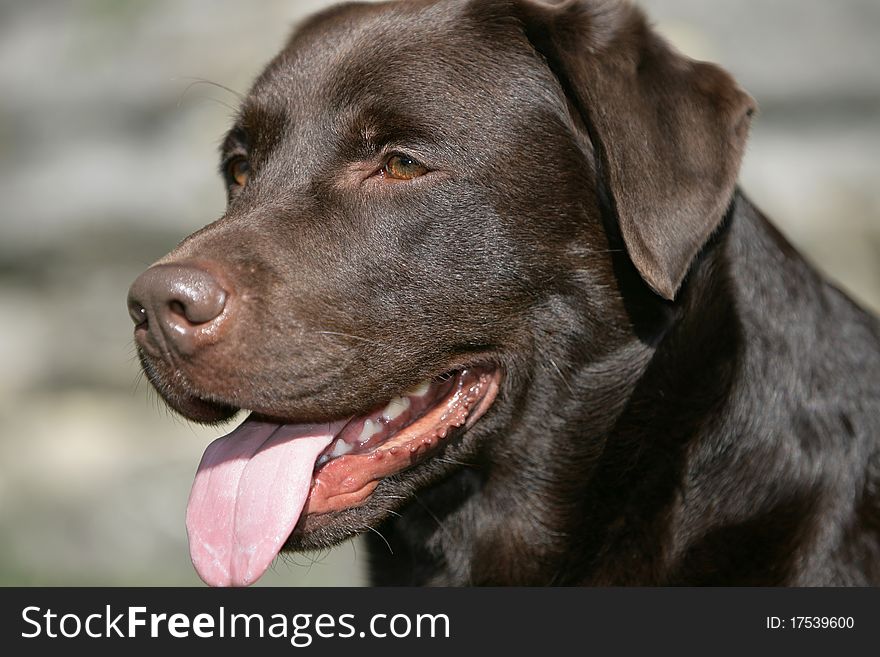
(253, 485)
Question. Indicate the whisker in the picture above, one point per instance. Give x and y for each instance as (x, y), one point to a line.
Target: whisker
(212, 99)
(354, 337)
(561, 375)
(195, 81)
(379, 534)
(445, 459)
(430, 513)
(139, 378)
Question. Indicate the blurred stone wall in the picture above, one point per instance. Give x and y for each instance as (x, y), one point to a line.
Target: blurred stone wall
(105, 165)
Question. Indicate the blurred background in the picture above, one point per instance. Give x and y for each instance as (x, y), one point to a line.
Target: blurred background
(105, 165)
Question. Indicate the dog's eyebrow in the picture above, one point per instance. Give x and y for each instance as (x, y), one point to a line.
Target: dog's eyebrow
(378, 127)
(235, 139)
(257, 121)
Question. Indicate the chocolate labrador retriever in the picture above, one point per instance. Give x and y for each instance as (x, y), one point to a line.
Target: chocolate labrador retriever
(487, 286)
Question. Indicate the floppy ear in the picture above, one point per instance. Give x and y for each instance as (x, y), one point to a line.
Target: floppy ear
(669, 132)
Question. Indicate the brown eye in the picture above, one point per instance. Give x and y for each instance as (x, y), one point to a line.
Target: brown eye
(237, 171)
(401, 167)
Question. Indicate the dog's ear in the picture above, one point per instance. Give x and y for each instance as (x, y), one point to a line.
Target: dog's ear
(669, 132)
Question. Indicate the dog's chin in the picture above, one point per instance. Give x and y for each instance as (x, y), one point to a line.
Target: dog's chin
(181, 397)
(200, 410)
(196, 409)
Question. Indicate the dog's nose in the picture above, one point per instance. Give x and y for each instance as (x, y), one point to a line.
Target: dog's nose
(176, 307)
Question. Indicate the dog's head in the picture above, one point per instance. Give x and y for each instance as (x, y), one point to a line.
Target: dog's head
(425, 201)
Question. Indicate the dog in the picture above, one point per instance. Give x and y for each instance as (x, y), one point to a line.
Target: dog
(487, 286)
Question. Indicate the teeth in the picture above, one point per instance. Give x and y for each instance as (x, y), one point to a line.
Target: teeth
(340, 448)
(370, 429)
(395, 407)
(420, 390)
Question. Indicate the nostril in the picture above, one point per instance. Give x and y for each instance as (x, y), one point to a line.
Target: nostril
(178, 309)
(137, 312)
(196, 300)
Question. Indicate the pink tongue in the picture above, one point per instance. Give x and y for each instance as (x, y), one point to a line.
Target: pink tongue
(247, 497)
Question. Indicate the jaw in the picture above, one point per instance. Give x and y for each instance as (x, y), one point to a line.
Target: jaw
(437, 412)
(257, 484)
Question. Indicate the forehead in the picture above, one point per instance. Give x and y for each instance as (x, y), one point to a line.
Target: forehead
(438, 58)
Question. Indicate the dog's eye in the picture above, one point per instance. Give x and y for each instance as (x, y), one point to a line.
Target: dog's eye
(401, 167)
(238, 171)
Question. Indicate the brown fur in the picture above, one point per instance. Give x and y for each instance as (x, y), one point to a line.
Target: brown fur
(685, 401)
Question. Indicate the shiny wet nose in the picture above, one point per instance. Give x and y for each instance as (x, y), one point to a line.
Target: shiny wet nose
(176, 308)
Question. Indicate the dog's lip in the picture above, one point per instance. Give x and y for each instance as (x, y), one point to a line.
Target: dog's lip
(349, 480)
